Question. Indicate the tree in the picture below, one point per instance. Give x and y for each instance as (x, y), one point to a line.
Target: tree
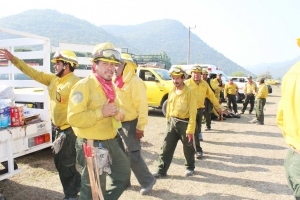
(265, 76)
(166, 60)
(238, 74)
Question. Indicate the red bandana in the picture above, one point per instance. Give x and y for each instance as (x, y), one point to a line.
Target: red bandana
(106, 85)
(119, 82)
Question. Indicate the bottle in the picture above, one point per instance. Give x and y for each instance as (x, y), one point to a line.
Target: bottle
(2, 119)
(6, 112)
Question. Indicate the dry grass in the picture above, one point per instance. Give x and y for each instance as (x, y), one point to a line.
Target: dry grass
(241, 161)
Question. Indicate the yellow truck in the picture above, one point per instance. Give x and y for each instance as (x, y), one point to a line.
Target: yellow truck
(159, 83)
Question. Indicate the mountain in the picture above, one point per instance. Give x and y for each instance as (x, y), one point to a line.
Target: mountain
(154, 37)
(171, 37)
(59, 28)
(277, 70)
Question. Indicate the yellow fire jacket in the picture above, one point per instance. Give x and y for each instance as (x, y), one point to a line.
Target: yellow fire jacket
(262, 91)
(58, 89)
(250, 88)
(288, 116)
(201, 92)
(85, 110)
(183, 105)
(230, 89)
(218, 88)
(133, 98)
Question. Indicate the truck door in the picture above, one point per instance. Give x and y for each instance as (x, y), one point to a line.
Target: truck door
(153, 91)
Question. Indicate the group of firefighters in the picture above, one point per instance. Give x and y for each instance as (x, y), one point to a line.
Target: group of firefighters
(98, 113)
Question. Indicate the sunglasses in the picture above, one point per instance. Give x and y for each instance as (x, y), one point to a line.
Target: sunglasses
(110, 54)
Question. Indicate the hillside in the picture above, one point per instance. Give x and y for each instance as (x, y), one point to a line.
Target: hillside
(277, 70)
(171, 36)
(59, 28)
(152, 37)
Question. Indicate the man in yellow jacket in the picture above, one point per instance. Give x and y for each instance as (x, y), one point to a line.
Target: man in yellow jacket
(230, 92)
(201, 90)
(218, 81)
(261, 97)
(92, 109)
(288, 120)
(59, 87)
(131, 91)
(249, 90)
(181, 116)
(208, 104)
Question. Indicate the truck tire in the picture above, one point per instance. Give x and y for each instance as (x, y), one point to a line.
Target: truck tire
(164, 107)
(239, 98)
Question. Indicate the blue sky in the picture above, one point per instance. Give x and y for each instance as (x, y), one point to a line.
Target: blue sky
(248, 32)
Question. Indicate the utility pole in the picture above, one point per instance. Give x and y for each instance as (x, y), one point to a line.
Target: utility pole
(189, 33)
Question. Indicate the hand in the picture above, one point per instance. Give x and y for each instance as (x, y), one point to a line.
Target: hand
(109, 109)
(139, 134)
(220, 111)
(226, 97)
(5, 55)
(190, 137)
(120, 115)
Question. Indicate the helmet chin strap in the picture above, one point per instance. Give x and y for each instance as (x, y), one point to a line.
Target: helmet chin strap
(61, 71)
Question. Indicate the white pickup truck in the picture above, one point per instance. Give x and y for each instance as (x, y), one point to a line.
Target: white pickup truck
(240, 82)
(21, 140)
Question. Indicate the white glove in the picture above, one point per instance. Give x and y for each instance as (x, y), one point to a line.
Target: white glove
(58, 143)
(103, 160)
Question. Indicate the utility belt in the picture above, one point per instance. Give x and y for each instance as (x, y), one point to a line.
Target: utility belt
(59, 129)
(250, 94)
(186, 120)
(85, 140)
(295, 150)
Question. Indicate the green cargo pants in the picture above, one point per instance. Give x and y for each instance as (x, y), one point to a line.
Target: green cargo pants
(120, 171)
(130, 145)
(260, 104)
(200, 112)
(176, 130)
(65, 163)
(292, 169)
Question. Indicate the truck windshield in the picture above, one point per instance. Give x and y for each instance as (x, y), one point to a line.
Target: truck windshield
(164, 74)
(225, 78)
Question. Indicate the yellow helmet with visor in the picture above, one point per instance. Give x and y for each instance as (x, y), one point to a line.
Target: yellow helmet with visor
(127, 58)
(66, 56)
(176, 71)
(196, 68)
(106, 52)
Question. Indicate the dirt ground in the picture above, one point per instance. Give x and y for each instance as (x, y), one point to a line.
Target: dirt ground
(241, 161)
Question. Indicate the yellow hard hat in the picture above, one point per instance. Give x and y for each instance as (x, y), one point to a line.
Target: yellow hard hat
(196, 68)
(298, 42)
(176, 71)
(106, 52)
(204, 71)
(127, 58)
(66, 56)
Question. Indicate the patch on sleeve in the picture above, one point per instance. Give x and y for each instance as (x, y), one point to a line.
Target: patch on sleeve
(77, 97)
